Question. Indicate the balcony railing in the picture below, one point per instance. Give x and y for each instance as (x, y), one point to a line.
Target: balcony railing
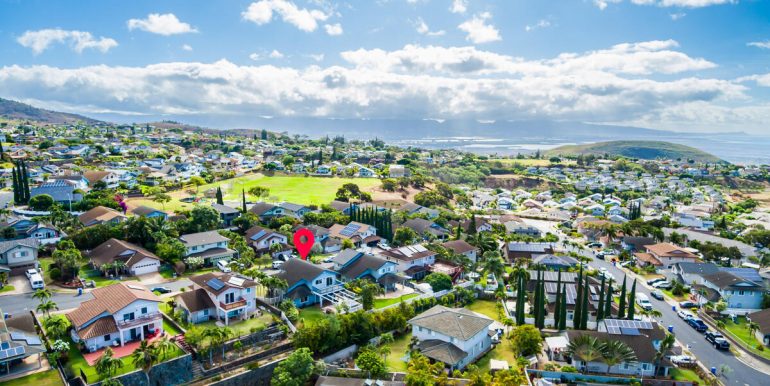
(337, 286)
(233, 305)
(141, 319)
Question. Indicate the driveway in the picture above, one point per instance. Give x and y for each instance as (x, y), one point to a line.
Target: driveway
(149, 279)
(21, 285)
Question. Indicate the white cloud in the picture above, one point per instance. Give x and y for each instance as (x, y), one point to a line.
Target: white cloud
(316, 57)
(765, 44)
(542, 23)
(459, 6)
(39, 41)
(333, 29)
(602, 4)
(162, 24)
(677, 15)
(261, 12)
(187, 47)
(423, 29)
(275, 54)
(479, 31)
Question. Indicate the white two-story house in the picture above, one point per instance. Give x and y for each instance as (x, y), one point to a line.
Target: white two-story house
(218, 296)
(412, 260)
(454, 336)
(210, 246)
(310, 284)
(118, 313)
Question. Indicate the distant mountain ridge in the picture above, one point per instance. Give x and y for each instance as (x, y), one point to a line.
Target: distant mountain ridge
(10, 109)
(637, 149)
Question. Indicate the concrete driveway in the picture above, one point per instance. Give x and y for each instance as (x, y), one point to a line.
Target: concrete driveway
(21, 285)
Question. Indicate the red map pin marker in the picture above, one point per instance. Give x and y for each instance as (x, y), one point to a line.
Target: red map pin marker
(303, 247)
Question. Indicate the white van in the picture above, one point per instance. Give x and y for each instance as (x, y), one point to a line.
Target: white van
(224, 266)
(36, 281)
(643, 301)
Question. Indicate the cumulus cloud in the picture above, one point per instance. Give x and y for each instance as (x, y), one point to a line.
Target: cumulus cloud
(187, 47)
(162, 24)
(261, 12)
(602, 4)
(542, 23)
(41, 40)
(459, 6)
(479, 31)
(275, 54)
(423, 29)
(765, 44)
(333, 29)
(434, 82)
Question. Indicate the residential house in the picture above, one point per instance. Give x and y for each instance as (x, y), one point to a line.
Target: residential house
(61, 191)
(111, 180)
(693, 273)
(356, 232)
(266, 211)
(294, 210)
(413, 260)
(210, 246)
(742, 296)
(762, 319)
(461, 247)
(149, 212)
(398, 171)
(456, 337)
(101, 215)
(218, 296)
(521, 250)
(136, 260)
(262, 239)
(481, 225)
(426, 228)
(310, 284)
(321, 236)
(19, 341)
(26, 228)
(553, 262)
(520, 227)
(117, 314)
(17, 256)
(352, 265)
(636, 243)
(227, 214)
(667, 254)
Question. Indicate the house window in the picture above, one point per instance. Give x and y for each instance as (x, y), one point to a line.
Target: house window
(229, 298)
(741, 292)
(248, 290)
(128, 316)
(195, 248)
(206, 312)
(144, 310)
(107, 338)
(329, 281)
(303, 300)
(319, 281)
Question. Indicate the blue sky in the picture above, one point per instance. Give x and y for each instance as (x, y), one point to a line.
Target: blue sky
(690, 65)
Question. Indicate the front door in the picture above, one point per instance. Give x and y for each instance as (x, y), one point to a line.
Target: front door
(135, 333)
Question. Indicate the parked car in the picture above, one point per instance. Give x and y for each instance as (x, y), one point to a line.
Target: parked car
(224, 266)
(688, 304)
(697, 324)
(682, 360)
(717, 340)
(277, 264)
(31, 272)
(643, 301)
(657, 294)
(162, 290)
(36, 281)
(686, 315)
(663, 285)
(594, 245)
(657, 279)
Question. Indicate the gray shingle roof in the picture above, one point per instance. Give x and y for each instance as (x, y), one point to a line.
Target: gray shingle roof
(200, 238)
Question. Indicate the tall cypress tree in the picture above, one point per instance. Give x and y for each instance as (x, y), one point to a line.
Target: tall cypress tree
(536, 302)
(622, 305)
(25, 181)
(600, 306)
(15, 184)
(320, 157)
(584, 306)
(220, 199)
(578, 300)
(472, 227)
(608, 301)
(557, 304)
(243, 194)
(631, 300)
(521, 297)
(541, 306)
(563, 316)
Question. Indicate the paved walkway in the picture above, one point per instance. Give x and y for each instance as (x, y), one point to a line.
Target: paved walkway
(119, 351)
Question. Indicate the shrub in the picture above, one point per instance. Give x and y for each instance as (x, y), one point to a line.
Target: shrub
(568, 369)
(55, 273)
(760, 347)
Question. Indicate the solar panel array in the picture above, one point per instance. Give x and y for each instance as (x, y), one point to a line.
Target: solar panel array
(350, 230)
(237, 281)
(626, 327)
(12, 352)
(30, 339)
(258, 234)
(215, 284)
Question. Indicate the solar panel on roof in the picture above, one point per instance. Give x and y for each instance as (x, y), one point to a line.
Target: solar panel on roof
(215, 284)
(629, 331)
(33, 340)
(18, 336)
(236, 281)
(350, 230)
(4, 345)
(20, 350)
(420, 248)
(258, 235)
(3, 354)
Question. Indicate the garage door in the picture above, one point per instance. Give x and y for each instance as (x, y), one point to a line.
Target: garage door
(141, 269)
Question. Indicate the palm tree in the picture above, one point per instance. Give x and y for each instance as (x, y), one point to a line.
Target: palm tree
(42, 294)
(665, 346)
(212, 333)
(164, 345)
(615, 352)
(753, 327)
(56, 327)
(225, 333)
(494, 264)
(485, 241)
(144, 357)
(46, 307)
(106, 365)
(586, 348)
(118, 265)
(386, 340)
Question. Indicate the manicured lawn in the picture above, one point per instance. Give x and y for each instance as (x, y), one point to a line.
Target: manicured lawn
(740, 331)
(380, 303)
(677, 298)
(170, 328)
(398, 350)
(243, 327)
(485, 307)
(45, 264)
(45, 378)
(7, 288)
(99, 280)
(501, 352)
(679, 374)
(310, 315)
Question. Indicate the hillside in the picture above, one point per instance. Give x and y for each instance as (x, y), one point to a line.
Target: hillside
(21, 111)
(636, 149)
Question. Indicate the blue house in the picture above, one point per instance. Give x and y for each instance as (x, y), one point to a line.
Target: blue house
(740, 294)
(310, 284)
(227, 214)
(352, 265)
(146, 211)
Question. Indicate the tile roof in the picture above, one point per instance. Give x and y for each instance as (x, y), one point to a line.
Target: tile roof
(102, 326)
(669, 250)
(99, 214)
(110, 299)
(95, 175)
(458, 246)
(458, 323)
(648, 258)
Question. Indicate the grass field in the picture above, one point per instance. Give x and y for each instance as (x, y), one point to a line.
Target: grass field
(45, 378)
(485, 307)
(296, 189)
(740, 331)
(380, 303)
(501, 352)
(310, 315)
(679, 374)
(398, 350)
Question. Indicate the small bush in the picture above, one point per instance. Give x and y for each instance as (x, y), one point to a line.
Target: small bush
(568, 369)
(55, 273)
(760, 347)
